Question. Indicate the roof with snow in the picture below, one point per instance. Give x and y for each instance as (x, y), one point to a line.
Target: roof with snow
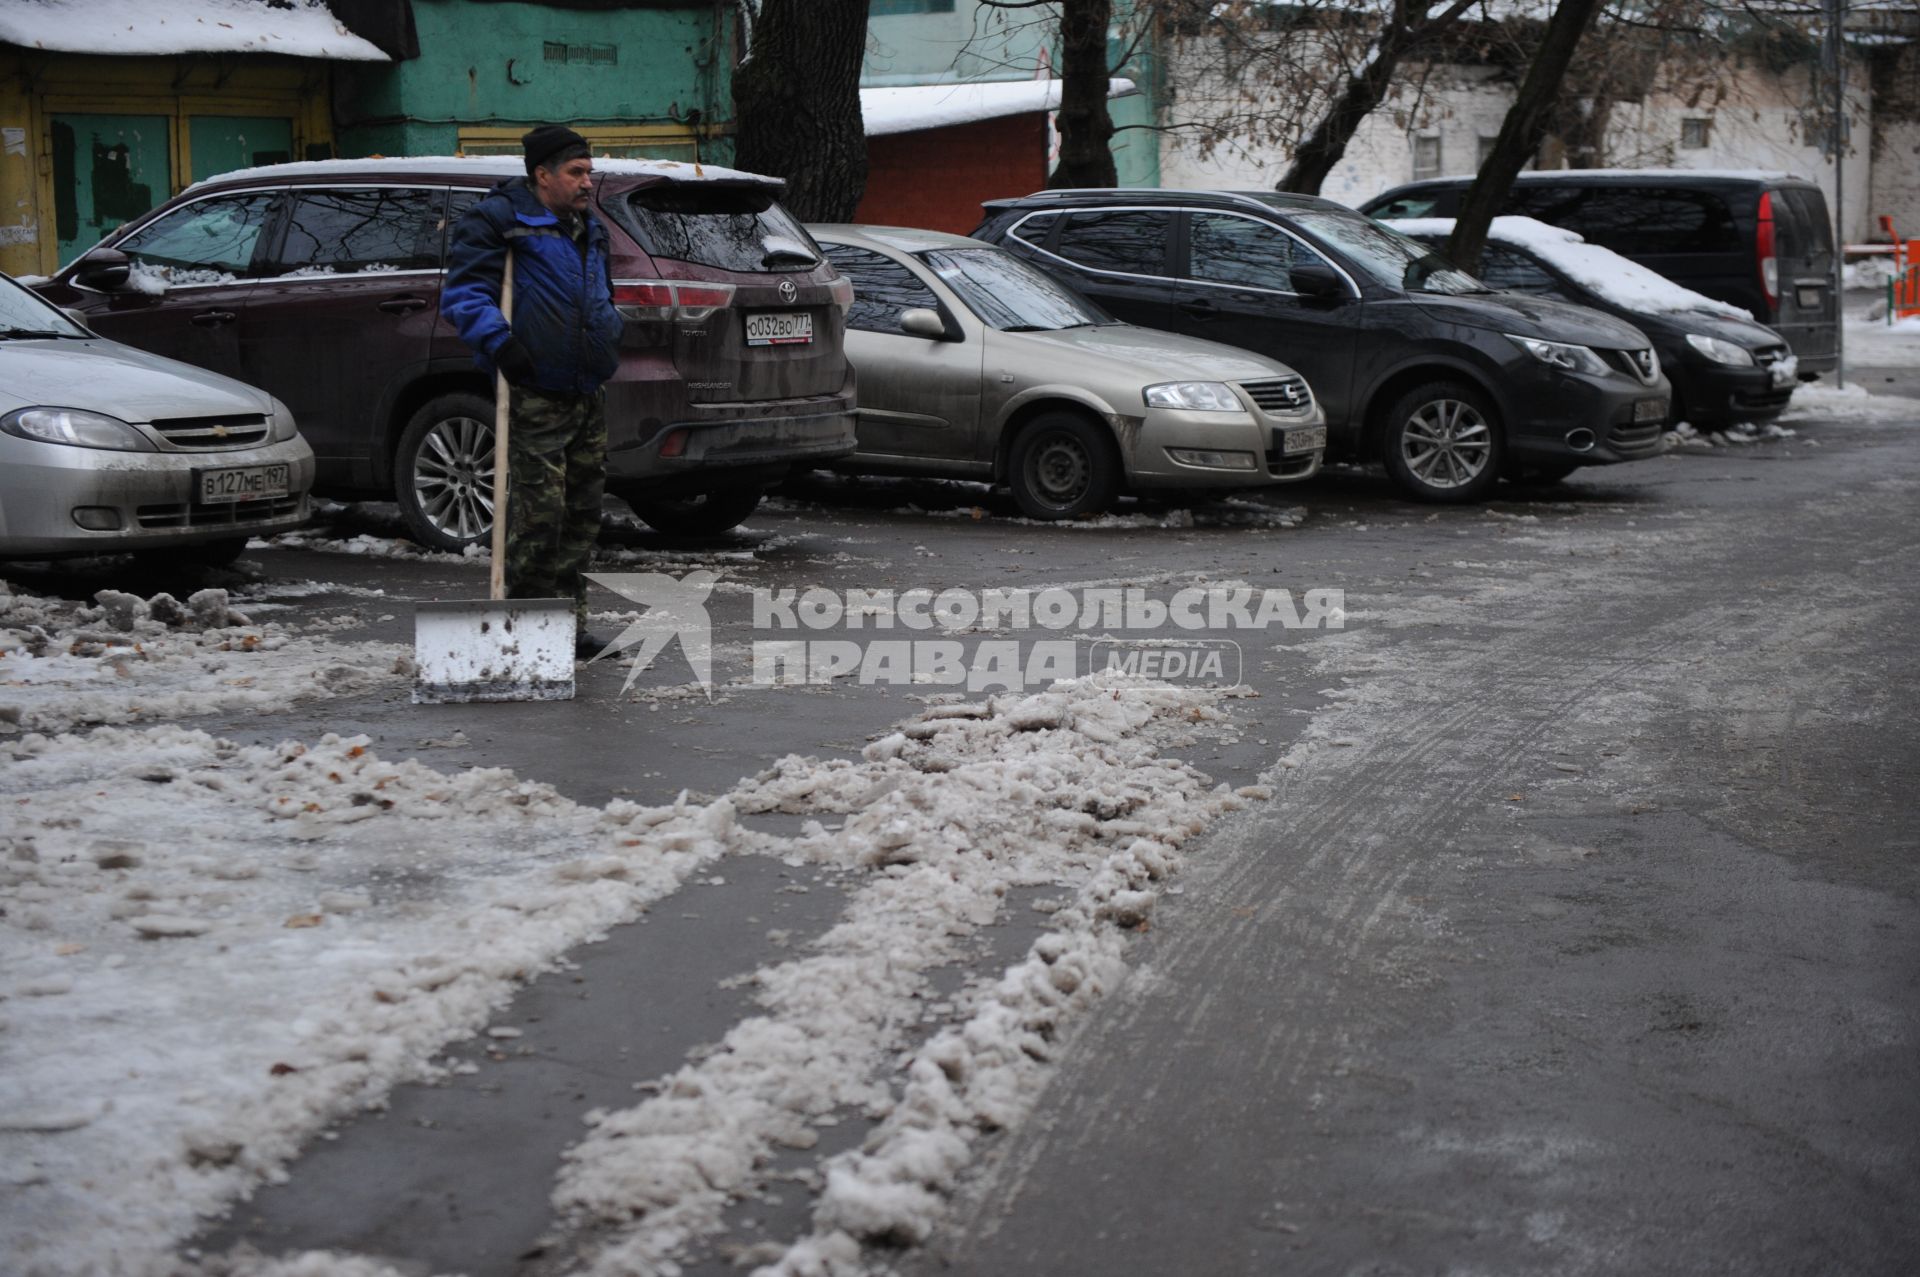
(911, 108)
(292, 28)
(1625, 283)
(494, 167)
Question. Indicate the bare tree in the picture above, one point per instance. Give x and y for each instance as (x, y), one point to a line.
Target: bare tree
(796, 103)
(1521, 131)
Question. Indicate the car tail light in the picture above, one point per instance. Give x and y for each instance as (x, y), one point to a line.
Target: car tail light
(842, 290)
(1763, 249)
(658, 299)
(643, 298)
(694, 302)
(675, 444)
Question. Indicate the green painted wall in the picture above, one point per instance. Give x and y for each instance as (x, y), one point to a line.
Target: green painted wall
(513, 65)
(919, 43)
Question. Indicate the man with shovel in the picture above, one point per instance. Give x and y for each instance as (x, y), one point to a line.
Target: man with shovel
(559, 347)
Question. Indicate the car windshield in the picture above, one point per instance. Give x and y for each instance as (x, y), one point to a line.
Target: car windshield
(1388, 256)
(1010, 295)
(24, 314)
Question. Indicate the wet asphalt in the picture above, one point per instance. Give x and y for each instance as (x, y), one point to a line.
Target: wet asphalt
(1601, 953)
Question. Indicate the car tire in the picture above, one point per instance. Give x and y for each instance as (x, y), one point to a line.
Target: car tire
(1442, 443)
(443, 472)
(702, 514)
(1063, 466)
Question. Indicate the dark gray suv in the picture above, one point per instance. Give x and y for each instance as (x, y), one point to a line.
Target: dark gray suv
(1447, 383)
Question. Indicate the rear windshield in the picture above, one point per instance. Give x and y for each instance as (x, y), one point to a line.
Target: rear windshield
(1805, 230)
(728, 228)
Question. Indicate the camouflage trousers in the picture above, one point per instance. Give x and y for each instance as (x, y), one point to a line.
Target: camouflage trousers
(556, 477)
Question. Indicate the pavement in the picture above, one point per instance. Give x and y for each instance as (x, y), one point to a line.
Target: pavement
(1582, 933)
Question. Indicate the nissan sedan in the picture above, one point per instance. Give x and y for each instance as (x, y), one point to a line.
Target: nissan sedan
(975, 365)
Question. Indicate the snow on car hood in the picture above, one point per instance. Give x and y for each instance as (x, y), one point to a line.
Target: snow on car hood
(1155, 355)
(1541, 317)
(105, 376)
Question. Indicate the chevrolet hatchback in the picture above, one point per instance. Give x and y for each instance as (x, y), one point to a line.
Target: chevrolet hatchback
(319, 282)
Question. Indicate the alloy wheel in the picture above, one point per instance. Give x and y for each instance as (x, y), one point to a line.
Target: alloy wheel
(1446, 443)
(453, 477)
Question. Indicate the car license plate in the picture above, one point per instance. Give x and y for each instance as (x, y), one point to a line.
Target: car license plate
(243, 483)
(1292, 441)
(1808, 295)
(1786, 371)
(1650, 410)
(779, 328)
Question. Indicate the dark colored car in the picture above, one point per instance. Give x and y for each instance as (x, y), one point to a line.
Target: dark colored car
(1447, 383)
(1724, 367)
(1761, 241)
(320, 282)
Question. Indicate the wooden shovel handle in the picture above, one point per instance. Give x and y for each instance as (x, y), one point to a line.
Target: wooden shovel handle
(497, 581)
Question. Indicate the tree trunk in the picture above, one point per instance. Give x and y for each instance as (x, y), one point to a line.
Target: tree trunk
(796, 104)
(1404, 30)
(1086, 128)
(1521, 131)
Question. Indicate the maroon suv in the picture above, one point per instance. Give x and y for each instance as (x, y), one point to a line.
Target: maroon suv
(319, 282)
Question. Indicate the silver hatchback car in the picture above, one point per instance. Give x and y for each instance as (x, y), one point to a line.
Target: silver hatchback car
(106, 449)
(975, 365)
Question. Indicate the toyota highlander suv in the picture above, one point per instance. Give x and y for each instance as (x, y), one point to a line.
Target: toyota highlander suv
(319, 282)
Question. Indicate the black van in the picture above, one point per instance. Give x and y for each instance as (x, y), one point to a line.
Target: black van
(1762, 241)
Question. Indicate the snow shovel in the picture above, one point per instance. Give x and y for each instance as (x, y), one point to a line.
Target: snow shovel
(503, 649)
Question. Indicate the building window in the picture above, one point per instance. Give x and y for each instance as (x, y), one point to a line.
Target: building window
(617, 141)
(887, 8)
(1693, 134)
(1426, 157)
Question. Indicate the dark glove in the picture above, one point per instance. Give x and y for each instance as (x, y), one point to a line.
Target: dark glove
(515, 363)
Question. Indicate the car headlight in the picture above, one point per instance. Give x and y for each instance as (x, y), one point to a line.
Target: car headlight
(1194, 396)
(1559, 354)
(76, 427)
(1721, 352)
(280, 417)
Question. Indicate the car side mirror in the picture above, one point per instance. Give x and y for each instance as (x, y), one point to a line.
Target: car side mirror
(1317, 282)
(922, 322)
(78, 316)
(104, 269)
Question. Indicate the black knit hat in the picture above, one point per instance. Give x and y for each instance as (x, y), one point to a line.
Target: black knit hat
(552, 145)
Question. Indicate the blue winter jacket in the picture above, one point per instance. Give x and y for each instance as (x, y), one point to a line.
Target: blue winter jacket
(562, 291)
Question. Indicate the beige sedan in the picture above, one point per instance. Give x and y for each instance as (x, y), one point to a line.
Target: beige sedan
(974, 365)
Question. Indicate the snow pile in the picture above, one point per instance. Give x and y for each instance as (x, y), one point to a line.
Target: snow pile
(1625, 283)
(183, 1010)
(490, 168)
(910, 108)
(1877, 342)
(945, 815)
(1819, 404)
(1869, 272)
(126, 659)
(293, 28)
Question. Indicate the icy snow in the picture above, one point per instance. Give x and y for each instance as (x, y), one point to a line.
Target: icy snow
(1878, 342)
(126, 659)
(910, 108)
(1623, 282)
(293, 28)
(300, 928)
(945, 815)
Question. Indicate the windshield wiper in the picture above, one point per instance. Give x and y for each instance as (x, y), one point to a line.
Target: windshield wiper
(789, 255)
(1029, 328)
(34, 332)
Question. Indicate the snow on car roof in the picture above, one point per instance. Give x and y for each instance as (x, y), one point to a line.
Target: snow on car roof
(1624, 283)
(912, 107)
(294, 28)
(494, 166)
(904, 239)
